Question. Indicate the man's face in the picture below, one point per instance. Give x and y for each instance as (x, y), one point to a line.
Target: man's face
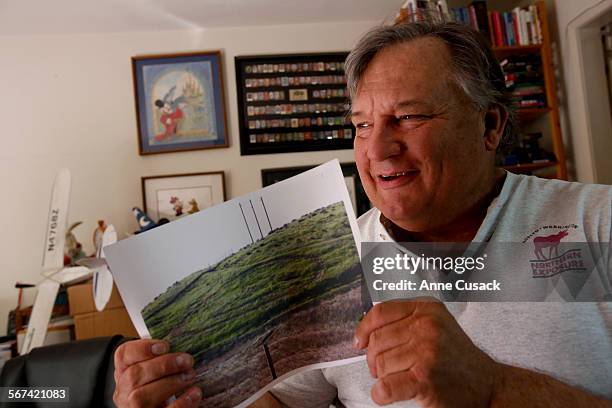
(419, 145)
(167, 108)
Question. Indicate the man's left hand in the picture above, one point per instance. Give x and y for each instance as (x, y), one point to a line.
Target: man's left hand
(417, 350)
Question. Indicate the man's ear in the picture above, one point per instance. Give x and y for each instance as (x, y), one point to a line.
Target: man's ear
(495, 119)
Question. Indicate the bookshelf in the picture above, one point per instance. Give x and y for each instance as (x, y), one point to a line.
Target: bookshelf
(541, 118)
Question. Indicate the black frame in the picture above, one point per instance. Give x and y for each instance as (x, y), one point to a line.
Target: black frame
(143, 183)
(329, 128)
(271, 176)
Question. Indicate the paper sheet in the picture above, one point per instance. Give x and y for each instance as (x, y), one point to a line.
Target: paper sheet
(257, 288)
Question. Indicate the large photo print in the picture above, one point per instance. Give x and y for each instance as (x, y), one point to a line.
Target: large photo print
(255, 288)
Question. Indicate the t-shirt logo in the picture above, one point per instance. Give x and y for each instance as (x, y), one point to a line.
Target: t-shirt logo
(552, 256)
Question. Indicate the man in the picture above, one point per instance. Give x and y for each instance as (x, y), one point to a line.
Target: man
(430, 110)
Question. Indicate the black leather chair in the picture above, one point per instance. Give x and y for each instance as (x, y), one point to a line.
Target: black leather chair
(85, 366)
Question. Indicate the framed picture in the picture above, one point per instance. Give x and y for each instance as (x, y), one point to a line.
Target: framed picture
(180, 102)
(293, 103)
(175, 196)
(360, 200)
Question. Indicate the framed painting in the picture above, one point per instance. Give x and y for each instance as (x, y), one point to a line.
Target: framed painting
(180, 102)
(179, 195)
(359, 199)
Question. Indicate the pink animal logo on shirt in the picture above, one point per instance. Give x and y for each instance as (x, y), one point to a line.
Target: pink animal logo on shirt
(549, 241)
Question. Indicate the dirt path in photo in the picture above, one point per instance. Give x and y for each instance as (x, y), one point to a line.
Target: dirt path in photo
(244, 371)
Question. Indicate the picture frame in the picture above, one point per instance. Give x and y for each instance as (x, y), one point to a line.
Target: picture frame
(293, 103)
(177, 195)
(359, 198)
(180, 102)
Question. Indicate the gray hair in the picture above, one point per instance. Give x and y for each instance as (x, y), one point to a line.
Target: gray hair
(474, 66)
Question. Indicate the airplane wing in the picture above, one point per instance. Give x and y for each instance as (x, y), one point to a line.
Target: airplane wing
(43, 304)
(102, 288)
(68, 276)
(53, 254)
(41, 313)
(53, 261)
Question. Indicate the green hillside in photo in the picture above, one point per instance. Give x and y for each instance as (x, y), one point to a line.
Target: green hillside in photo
(216, 309)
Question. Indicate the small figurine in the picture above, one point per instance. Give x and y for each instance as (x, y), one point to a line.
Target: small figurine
(194, 206)
(97, 236)
(73, 250)
(145, 222)
(177, 206)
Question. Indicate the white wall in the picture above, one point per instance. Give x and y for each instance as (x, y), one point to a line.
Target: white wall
(68, 101)
(573, 100)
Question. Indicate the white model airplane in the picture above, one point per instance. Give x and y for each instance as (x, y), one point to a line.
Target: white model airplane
(53, 270)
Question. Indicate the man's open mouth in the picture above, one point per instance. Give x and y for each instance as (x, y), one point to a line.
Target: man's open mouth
(393, 176)
(391, 179)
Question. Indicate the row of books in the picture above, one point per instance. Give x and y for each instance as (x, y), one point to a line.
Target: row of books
(518, 27)
(523, 75)
(521, 26)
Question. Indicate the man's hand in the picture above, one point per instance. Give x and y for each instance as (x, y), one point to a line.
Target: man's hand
(417, 350)
(146, 375)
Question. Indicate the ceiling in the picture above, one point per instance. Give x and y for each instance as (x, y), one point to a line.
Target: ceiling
(36, 17)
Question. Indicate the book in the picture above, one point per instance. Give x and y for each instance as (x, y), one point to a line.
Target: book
(499, 37)
(491, 29)
(480, 12)
(509, 26)
(538, 26)
(529, 27)
(516, 13)
(523, 25)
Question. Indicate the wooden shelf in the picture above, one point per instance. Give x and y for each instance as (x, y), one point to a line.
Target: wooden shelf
(518, 49)
(527, 167)
(526, 115)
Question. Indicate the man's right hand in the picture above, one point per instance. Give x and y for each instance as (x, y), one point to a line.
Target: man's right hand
(147, 375)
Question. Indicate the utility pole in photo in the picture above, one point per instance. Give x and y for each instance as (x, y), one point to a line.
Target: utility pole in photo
(246, 223)
(256, 219)
(264, 342)
(266, 211)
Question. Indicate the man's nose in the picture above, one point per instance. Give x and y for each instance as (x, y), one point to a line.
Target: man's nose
(382, 143)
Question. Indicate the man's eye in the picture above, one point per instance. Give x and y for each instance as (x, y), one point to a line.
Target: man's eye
(413, 117)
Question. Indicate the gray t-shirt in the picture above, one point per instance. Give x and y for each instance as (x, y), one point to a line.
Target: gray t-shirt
(569, 341)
